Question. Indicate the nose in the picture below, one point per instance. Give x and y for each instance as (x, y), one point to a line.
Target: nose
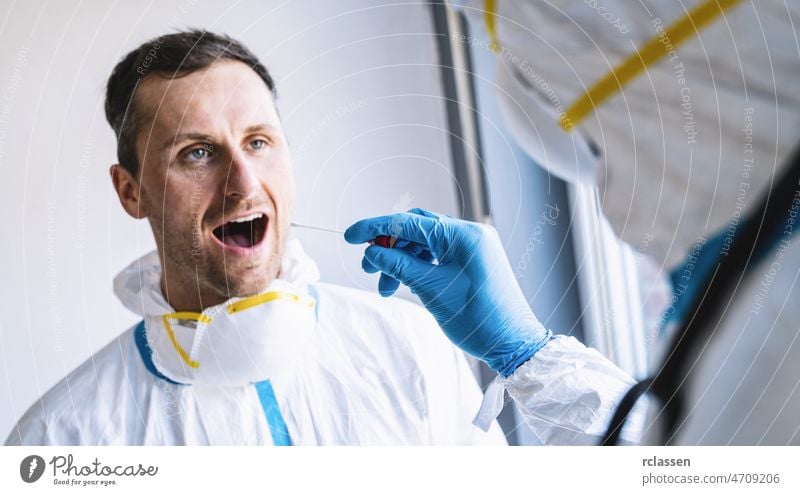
(242, 181)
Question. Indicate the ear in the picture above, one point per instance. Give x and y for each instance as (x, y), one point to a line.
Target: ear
(128, 190)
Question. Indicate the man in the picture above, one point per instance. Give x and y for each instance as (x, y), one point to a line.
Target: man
(240, 343)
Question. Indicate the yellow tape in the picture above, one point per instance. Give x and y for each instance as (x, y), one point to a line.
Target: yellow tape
(490, 18)
(652, 51)
(266, 297)
(183, 315)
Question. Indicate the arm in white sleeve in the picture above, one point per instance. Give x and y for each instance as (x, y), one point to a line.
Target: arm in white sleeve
(567, 394)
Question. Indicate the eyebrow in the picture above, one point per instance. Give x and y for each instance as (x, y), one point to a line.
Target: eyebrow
(198, 136)
(260, 127)
(185, 136)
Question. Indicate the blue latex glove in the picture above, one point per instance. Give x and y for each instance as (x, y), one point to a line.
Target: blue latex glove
(461, 274)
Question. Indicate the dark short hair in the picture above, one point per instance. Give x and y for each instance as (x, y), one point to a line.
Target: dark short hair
(170, 56)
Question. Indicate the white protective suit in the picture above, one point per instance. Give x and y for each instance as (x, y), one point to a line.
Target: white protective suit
(686, 150)
(376, 371)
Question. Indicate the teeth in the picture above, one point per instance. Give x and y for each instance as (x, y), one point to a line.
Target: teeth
(248, 218)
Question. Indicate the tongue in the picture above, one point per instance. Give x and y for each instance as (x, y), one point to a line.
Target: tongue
(238, 234)
(237, 239)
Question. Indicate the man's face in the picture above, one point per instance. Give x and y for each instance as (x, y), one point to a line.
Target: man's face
(216, 181)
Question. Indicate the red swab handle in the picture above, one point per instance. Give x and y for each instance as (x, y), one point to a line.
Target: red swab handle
(385, 241)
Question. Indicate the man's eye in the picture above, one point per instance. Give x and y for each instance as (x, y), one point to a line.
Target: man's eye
(257, 144)
(199, 153)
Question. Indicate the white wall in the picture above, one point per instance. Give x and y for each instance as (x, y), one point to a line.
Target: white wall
(360, 97)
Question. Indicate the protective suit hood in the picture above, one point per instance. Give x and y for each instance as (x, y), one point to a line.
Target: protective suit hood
(243, 340)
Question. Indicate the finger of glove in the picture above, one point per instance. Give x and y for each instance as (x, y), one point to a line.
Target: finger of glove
(387, 285)
(399, 265)
(411, 248)
(407, 226)
(368, 267)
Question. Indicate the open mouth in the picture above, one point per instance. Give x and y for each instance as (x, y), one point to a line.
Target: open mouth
(243, 232)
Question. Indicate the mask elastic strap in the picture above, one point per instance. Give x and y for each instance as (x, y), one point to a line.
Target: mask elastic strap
(183, 315)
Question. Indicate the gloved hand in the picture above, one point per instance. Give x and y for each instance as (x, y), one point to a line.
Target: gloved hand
(461, 274)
